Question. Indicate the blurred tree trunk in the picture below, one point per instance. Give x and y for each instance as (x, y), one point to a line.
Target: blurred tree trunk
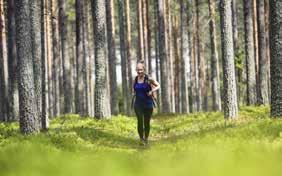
(255, 33)
(12, 64)
(35, 24)
(27, 96)
(112, 55)
(99, 23)
(80, 94)
(163, 58)
(229, 83)
(123, 57)
(176, 64)
(45, 105)
(128, 44)
(169, 52)
(276, 57)
(263, 63)
(3, 66)
(140, 50)
(184, 56)
(67, 74)
(56, 58)
(250, 53)
(199, 69)
(216, 98)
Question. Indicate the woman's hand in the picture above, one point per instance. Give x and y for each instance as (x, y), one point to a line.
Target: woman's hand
(150, 93)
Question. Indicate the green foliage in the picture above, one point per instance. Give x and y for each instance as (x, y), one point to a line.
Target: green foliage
(196, 144)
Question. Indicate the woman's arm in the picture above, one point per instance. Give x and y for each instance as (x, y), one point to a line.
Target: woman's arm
(155, 83)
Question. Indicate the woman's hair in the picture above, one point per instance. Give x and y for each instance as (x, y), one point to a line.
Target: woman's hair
(142, 62)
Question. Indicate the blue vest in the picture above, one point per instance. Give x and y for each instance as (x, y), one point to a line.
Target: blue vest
(142, 99)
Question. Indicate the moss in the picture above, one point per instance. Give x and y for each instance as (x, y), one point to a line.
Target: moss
(198, 144)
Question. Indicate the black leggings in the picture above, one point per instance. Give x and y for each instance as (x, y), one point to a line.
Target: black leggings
(143, 119)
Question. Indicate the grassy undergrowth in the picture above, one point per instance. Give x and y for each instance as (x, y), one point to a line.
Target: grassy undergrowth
(196, 144)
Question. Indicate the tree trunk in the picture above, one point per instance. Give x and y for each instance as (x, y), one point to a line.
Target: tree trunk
(128, 44)
(99, 21)
(249, 50)
(112, 56)
(35, 17)
(3, 66)
(27, 97)
(123, 57)
(140, 50)
(275, 17)
(216, 98)
(67, 74)
(163, 58)
(80, 94)
(256, 43)
(229, 83)
(56, 58)
(263, 63)
(12, 64)
(198, 61)
(45, 105)
(184, 57)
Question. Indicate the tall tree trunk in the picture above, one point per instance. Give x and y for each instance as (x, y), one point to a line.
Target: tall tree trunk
(263, 63)
(12, 63)
(99, 21)
(86, 58)
(56, 58)
(27, 97)
(216, 98)
(67, 74)
(44, 87)
(249, 50)
(163, 58)
(148, 37)
(49, 47)
(275, 17)
(145, 33)
(176, 65)
(128, 44)
(3, 66)
(35, 23)
(112, 56)
(169, 45)
(140, 50)
(199, 69)
(255, 33)
(123, 57)
(80, 94)
(229, 83)
(266, 16)
(184, 56)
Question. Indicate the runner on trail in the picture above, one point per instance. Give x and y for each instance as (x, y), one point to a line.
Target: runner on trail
(143, 90)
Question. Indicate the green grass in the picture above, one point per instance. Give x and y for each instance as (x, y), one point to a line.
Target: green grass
(196, 144)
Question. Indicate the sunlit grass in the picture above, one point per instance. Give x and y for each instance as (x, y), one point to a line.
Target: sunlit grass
(196, 144)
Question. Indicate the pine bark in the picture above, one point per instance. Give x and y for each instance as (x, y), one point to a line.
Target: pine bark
(112, 56)
(99, 21)
(35, 17)
(229, 83)
(184, 56)
(163, 58)
(12, 64)
(56, 58)
(250, 53)
(276, 57)
(263, 97)
(216, 98)
(27, 97)
(3, 66)
(67, 74)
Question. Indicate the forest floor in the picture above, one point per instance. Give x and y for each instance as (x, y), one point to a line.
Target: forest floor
(195, 144)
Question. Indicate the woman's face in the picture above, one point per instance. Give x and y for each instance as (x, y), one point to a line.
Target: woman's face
(140, 69)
